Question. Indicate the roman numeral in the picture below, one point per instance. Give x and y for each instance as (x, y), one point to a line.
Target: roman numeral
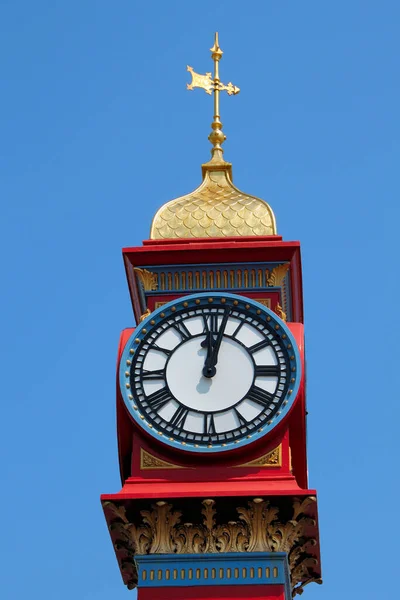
(158, 374)
(209, 425)
(165, 350)
(210, 323)
(179, 417)
(238, 328)
(267, 371)
(243, 422)
(159, 398)
(260, 396)
(259, 346)
(181, 328)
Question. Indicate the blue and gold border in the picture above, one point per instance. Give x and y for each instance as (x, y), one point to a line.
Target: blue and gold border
(233, 277)
(197, 301)
(188, 570)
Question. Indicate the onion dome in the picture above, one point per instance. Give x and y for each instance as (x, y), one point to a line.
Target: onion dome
(216, 208)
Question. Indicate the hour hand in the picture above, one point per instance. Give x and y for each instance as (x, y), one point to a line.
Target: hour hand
(207, 342)
(209, 369)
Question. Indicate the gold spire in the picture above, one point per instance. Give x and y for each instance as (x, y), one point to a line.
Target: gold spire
(216, 208)
(217, 136)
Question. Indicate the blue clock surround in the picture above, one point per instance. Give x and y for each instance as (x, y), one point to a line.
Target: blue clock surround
(133, 345)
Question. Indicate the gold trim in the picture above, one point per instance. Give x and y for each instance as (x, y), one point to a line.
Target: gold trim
(149, 462)
(144, 316)
(264, 301)
(277, 275)
(158, 304)
(271, 459)
(260, 527)
(284, 296)
(280, 312)
(213, 278)
(147, 278)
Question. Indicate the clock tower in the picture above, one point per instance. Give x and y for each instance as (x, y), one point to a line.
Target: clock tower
(211, 400)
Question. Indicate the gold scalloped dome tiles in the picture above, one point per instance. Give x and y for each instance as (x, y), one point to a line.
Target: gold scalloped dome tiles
(215, 209)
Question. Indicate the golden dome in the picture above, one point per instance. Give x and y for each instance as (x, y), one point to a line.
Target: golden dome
(216, 208)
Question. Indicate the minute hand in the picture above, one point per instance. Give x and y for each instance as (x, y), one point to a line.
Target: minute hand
(209, 369)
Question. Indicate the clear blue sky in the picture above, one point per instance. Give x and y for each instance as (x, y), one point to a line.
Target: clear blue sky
(97, 131)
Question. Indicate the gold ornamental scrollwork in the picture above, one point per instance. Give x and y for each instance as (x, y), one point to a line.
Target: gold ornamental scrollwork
(277, 275)
(150, 462)
(144, 316)
(159, 304)
(280, 312)
(271, 459)
(258, 528)
(264, 301)
(161, 521)
(147, 279)
(128, 539)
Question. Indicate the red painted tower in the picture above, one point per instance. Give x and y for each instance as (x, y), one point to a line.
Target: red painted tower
(211, 400)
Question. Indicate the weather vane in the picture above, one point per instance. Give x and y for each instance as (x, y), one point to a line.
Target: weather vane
(216, 137)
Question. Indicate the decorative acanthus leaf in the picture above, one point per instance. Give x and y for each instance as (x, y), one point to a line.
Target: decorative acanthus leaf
(276, 276)
(259, 528)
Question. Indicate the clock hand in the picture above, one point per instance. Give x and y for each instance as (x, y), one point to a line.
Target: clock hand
(209, 369)
(210, 332)
(208, 343)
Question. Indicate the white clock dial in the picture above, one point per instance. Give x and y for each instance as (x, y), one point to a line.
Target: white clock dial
(211, 372)
(185, 379)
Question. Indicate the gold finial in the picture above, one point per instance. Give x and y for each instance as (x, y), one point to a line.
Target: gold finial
(216, 137)
(216, 208)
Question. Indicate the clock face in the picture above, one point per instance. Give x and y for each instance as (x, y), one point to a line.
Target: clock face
(207, 373)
